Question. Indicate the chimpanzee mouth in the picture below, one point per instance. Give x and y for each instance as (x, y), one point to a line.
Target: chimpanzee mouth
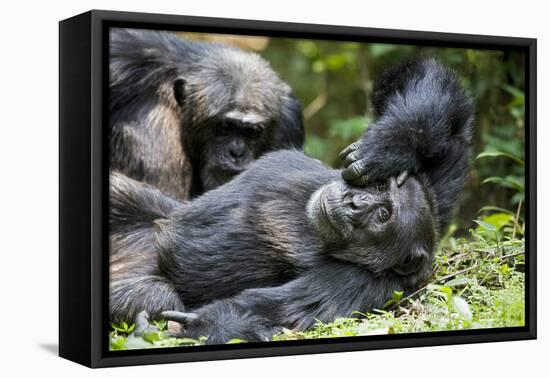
(329, 209)
(218, 175)
(226, 172)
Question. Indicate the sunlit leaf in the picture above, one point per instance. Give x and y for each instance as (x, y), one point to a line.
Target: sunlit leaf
(458, 281)
(485, 225)
(507, 182)
(462, 307)
(499, 220)
(187, 341)
(486, 154)
(236, 341)
(151, 336)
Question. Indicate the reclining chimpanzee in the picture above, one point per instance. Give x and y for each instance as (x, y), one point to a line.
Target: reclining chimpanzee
(289, 241)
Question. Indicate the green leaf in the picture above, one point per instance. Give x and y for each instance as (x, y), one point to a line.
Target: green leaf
(504, 269)
(507, 182)
(518, 93)
(117, 343)
(160, 324)
(236, 341)
(499, 220)
(486, 226)
(117, 327)
(445, 289)
(500, 154)
(151, 337)
(396, 296)
(458, 281)
(187, 341)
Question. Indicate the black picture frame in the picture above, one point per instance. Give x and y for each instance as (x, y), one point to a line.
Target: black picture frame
(83, 228)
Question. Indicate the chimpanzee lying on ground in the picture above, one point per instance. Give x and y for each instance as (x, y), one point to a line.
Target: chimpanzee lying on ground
(288, 241)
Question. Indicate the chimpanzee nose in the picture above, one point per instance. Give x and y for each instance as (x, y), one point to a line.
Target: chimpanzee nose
(237, 149)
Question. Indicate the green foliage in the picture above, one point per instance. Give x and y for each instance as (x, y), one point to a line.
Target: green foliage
(156, 336)
(123, 328)
(515, 182)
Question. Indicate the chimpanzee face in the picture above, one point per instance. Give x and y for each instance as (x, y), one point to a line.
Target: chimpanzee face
(234, 141)
(387, 226)
(234, 108)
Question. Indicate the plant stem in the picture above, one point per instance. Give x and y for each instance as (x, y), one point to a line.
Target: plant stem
(516, 219)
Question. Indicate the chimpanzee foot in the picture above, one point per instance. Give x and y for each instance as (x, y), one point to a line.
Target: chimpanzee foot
(142, 323)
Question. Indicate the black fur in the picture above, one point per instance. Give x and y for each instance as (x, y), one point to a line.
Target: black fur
(187, 116)
(288, 241)
(424, 125)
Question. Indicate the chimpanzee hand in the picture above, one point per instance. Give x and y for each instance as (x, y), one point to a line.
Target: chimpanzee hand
(374, 161)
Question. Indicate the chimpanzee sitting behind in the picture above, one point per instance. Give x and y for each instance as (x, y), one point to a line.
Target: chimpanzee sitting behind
(288, 241)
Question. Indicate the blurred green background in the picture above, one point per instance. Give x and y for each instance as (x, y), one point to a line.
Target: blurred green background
(334, 81)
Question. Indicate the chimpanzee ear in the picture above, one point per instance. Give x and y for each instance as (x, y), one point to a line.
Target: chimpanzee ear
(290, 131)
(179, 90)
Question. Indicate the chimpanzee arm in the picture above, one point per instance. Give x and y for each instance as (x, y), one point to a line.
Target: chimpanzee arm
(423, 125)
(333, 290)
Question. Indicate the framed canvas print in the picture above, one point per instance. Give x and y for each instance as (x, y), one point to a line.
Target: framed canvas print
(234, 188)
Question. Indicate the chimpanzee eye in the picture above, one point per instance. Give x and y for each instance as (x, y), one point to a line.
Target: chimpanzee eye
(381, 186)
(384, 214)
(254, 132)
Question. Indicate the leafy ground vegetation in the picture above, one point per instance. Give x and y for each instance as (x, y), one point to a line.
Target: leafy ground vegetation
(478, 279)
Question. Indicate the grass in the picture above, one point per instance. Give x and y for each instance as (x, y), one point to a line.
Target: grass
(478, 282)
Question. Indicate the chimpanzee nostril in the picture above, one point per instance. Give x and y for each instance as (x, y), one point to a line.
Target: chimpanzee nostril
(237, 149)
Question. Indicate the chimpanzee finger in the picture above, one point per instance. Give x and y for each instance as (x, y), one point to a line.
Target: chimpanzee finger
(180, 317)
(360, 181)
(346, 151)
(351, 158)
(354, 170)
